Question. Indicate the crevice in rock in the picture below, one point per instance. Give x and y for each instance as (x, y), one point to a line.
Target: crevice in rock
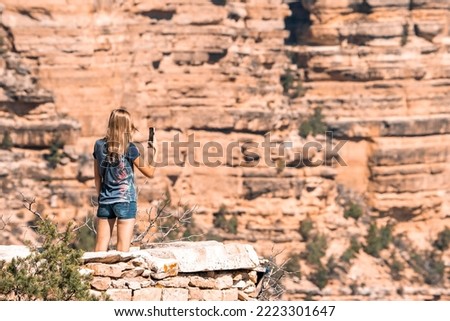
(159, 14)
(20, 108)
(219, 2)
(215, 57)
(156, 64)
(298, 24)
(363, 7)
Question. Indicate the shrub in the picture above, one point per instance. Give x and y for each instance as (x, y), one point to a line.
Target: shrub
(85, 240)
(232, 225)
(220, 221)
(48, 273)
(292, 265)
(305, 228)
(378, 239)
(292, 87)
(55, 154)
(320, 277)
(314, 125)
(315, 249)
(287, 81)
(7, 142)
(405, 33)
(353, 210)
(323, 274)
(429, 265)
(443, 240)
(351, 251)
(396, 268)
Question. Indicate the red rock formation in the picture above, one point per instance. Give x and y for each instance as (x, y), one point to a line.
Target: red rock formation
(229, 71)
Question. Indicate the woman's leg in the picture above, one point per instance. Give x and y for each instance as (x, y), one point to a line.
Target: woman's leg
(104, 232)
(125, 228)
(126, 217)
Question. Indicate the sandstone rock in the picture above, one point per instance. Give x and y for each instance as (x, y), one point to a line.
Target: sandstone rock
(209, 256)
(8, 252)
(107, 257)
(133, 272)
(119, 284)
(134, 285)
(119, 294)
(101, 283)
(175, 294)
(224, 282)
(230, 295)
(201, 282)
(378, 69)
(160, 267)
(212, 295)
(101, 269)
(148, 294)
(175, 282)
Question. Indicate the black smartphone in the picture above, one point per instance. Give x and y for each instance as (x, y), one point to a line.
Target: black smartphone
(151, 134)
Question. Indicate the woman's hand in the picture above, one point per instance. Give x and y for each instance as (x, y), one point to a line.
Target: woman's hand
(153, 145)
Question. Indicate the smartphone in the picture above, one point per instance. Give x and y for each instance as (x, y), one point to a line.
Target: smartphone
(151, 134)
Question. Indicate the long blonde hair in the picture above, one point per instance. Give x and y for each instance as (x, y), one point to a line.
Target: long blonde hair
(119, 133)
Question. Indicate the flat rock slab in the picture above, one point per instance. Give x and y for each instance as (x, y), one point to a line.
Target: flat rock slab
(109, 257)
(207, 256)
(8, 252)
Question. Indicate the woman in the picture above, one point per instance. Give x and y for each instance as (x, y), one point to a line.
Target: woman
(115, 155)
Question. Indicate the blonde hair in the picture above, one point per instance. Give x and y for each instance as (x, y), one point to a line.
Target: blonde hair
(119, 133)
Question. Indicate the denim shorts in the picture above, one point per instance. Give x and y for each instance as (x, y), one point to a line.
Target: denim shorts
(122, 210)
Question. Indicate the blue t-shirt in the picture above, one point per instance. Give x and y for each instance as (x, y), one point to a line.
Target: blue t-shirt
(117, 177)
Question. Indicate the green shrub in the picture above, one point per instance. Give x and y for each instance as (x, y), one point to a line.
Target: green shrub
(429, 265)
(314, 125)
(292, 265)
(319, 277)
(396, 267)
(378, 239)
(405, 33)
(232, 225)
(443, 240)
(305, 228)
(292, 87)
(55, 154)
(315, 249)
(85, 239)
(7, 142)
(287, 81)
(48, 273)
(220, 221)
(351, 251)
(353, 210)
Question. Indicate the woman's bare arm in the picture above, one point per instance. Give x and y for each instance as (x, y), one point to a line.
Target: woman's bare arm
(97, 178)
(147, 169)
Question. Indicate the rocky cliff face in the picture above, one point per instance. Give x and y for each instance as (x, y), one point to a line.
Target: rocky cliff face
(229, 72)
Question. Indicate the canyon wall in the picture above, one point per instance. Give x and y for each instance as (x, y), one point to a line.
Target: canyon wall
(230, 72)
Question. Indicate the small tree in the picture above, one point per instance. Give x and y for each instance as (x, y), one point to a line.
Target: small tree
(315, 249)
(351, 251)
(442, 242)
(378, 239)
(7, 142)
(50, 272)
(314, 125)
(305, 228)
(353, 210)
(55, 154)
